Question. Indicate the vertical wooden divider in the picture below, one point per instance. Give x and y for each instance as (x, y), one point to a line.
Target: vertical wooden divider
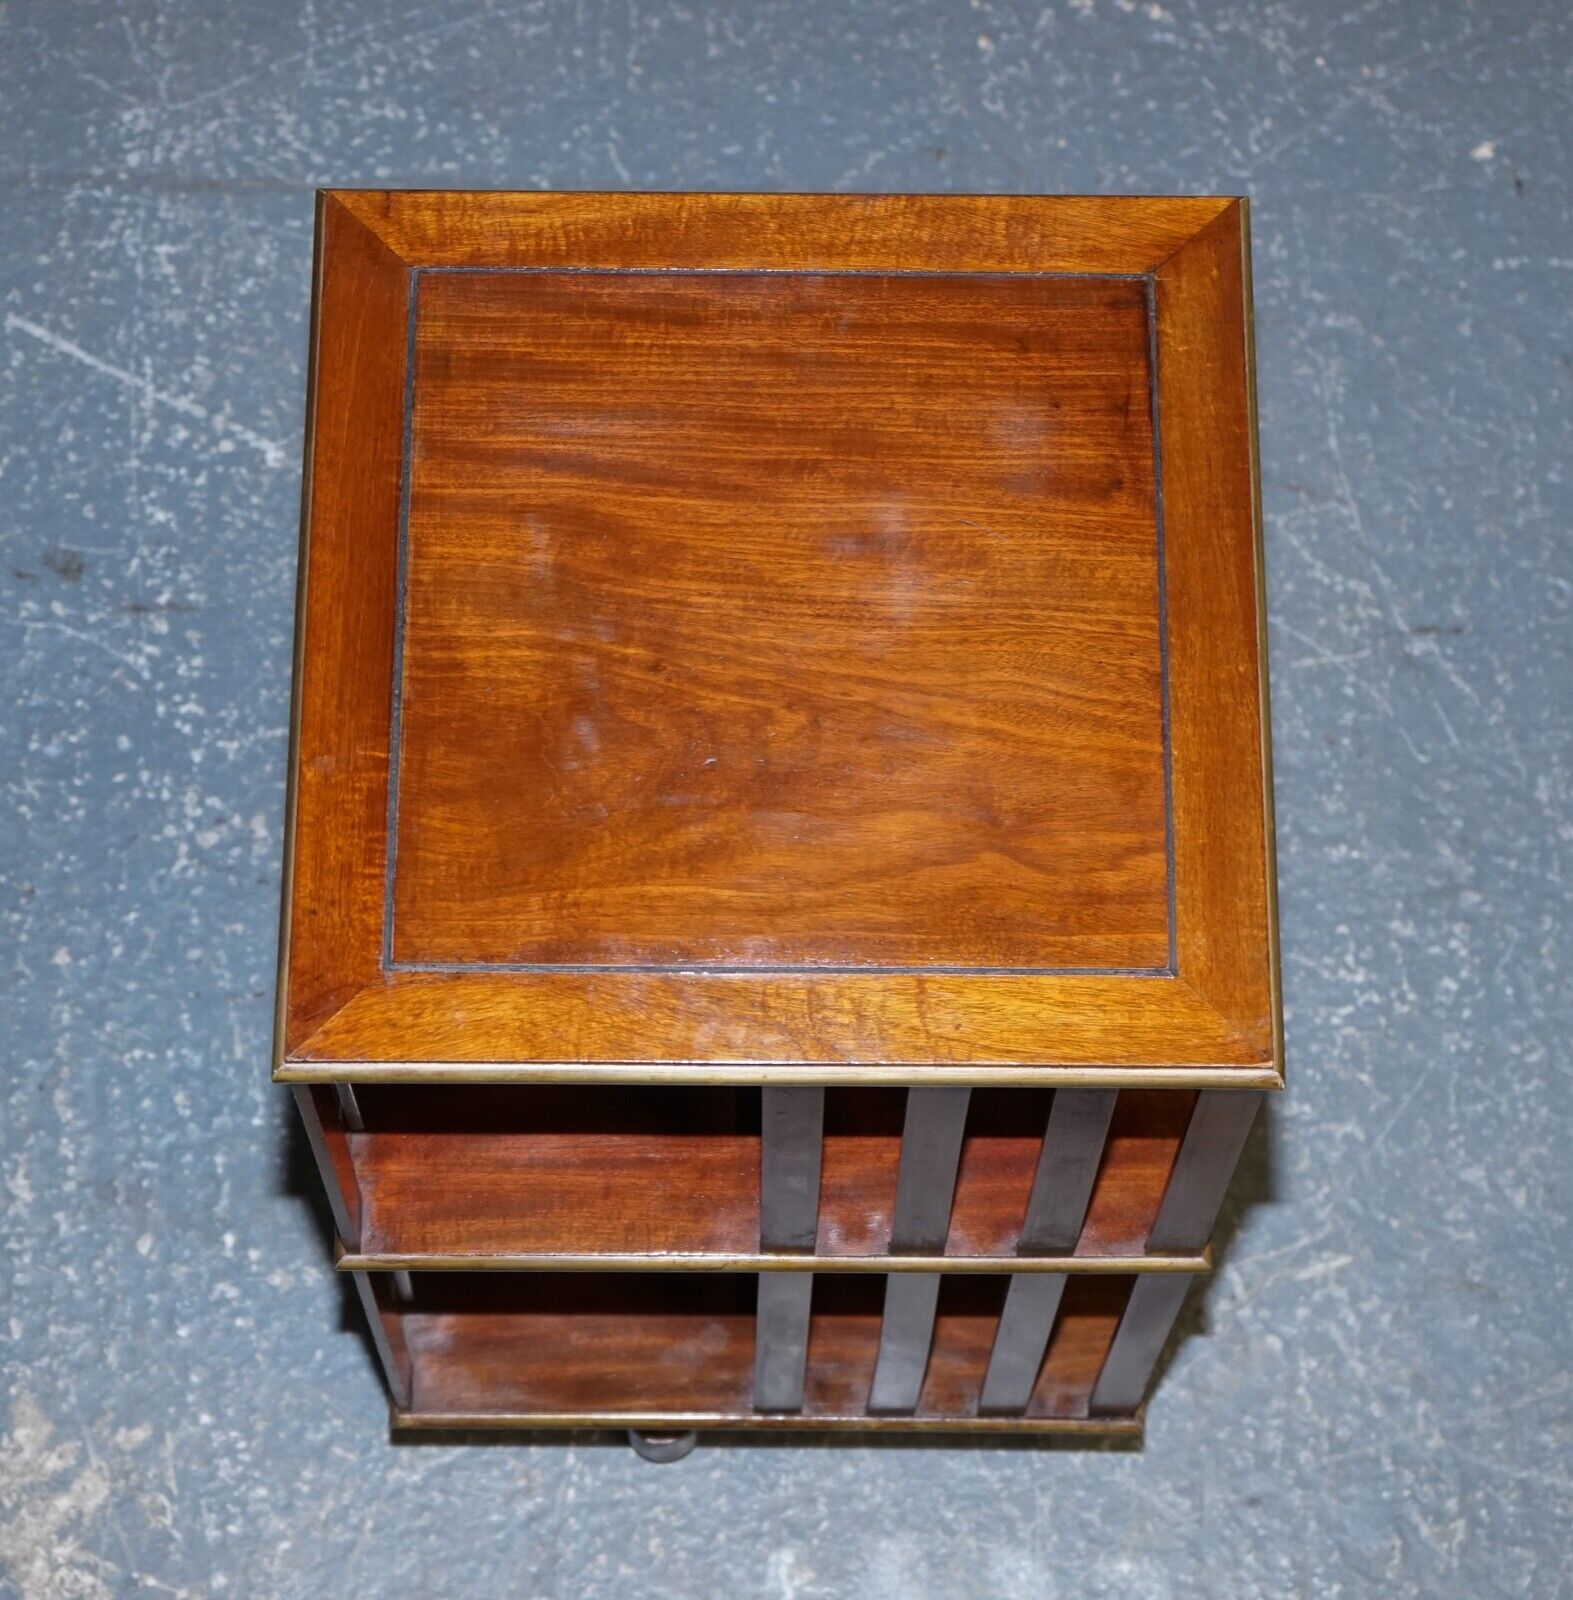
(349, 1108)
(1073, 1142)
(387, 1334)
(1203, 1167)
(1156, 1298)
(319, 1111)
(781, 1339)
(925, 1191)
(792, 1135)
(1031, 1304)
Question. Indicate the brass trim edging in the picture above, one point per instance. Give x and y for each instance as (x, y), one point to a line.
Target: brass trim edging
(298, 647)
(345, 1260)
(401, 1421)
(747, 1075)
(1263, 677)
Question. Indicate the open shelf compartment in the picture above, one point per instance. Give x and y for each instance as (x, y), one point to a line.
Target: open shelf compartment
(677, 1350)
(552, 1176)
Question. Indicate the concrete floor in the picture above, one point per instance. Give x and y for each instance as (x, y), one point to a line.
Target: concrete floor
(1375, 1396)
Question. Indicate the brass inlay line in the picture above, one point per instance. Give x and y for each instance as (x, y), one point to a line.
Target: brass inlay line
(726, 1261)
(1129, 1427)
(745, 1075)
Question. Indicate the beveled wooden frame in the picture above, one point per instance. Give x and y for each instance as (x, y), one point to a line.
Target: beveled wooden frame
(343, 1015)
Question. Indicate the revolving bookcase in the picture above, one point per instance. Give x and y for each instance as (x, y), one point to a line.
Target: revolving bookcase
(778, 915)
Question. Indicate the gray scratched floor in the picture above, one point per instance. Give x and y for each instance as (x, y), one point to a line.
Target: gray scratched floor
(1377, 1396)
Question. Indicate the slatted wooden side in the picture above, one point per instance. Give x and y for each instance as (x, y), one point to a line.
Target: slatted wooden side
(1207, 1157)
(792, 1131)
(1073, 1141)
(925, 1189)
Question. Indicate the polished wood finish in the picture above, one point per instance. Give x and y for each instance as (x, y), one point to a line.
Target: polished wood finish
(834, 791)
(785, 232)
(1090, 1316)
(778, 922)
(1217, 627)
(932, 499)
(338, 799)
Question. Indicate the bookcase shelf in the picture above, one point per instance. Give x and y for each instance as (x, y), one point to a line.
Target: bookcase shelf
(778, 920)
(510, 1177)
(679, 1351)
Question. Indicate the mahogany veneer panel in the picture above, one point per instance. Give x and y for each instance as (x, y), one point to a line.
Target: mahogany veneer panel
(932, 500)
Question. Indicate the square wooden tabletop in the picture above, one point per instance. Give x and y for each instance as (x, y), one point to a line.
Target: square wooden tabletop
(780, 638)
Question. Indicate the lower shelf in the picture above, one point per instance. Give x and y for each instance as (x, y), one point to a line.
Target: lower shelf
(676, 1351)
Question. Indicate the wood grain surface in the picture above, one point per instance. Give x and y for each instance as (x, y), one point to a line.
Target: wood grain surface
(785, 232)
(768, 620)
(784, 592)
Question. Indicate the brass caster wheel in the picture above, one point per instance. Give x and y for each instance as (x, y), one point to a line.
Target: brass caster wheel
(662, 1446)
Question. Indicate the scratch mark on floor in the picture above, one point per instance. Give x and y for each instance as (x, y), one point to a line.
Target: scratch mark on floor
(272, 451)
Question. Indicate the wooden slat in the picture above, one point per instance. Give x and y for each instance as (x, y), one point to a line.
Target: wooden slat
(792, 1126)
(1022, 1337)
(324, 1132)
(387, 1335)
(926, 1184)
(1073, 1143)
(349, 1108)
(781, 1340)
(1202, 1170)
(1155, 1302)
(1072, 1148)
(925, 1188)
(905, 1334)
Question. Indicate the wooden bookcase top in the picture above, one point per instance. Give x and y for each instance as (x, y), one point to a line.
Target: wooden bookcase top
(763, 638)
